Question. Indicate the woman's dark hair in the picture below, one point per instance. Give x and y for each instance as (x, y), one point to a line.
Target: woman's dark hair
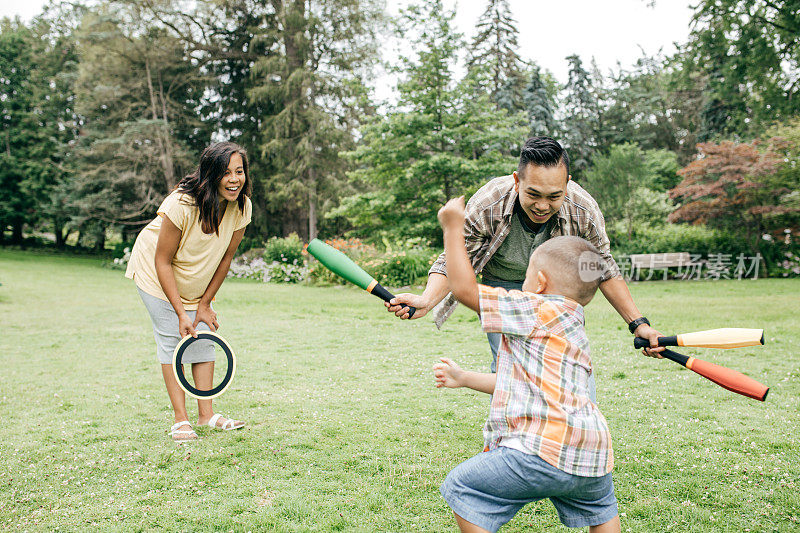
(203, 183)
(542, 152)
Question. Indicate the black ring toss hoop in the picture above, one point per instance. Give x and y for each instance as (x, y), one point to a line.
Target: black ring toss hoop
(177, 365)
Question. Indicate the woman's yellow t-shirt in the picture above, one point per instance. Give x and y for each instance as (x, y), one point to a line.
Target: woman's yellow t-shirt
(198, 254)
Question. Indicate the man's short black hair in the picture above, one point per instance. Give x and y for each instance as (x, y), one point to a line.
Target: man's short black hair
(542, 152)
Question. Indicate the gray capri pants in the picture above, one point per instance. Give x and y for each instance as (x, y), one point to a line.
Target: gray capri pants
(165, 331)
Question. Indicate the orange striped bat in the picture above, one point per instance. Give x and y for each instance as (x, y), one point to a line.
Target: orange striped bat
(724, 377)
(713, 338)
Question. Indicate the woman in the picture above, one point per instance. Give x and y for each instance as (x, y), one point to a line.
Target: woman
(179, 262)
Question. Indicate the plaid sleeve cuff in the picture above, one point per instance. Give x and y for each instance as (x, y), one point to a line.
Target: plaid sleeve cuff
(439, 266)
(612, 269)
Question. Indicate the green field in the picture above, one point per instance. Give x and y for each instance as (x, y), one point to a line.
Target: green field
(345, 429)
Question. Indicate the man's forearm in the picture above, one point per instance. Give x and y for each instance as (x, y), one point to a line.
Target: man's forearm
(619, 296)
(436, 289)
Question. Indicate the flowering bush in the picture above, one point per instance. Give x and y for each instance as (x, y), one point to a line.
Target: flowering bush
(274, 271)
(401, 264)
(284, 250)
(355, 249)
(790, 267)
(401, 267)
(121, 263)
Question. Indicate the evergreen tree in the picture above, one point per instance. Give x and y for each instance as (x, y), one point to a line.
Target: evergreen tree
(311, 86)
(540, 105)
(581, 121)
(444, 139)
(494, 48)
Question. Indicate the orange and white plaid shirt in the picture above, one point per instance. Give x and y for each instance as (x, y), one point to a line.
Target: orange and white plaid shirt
(488, 221)
(541, 399)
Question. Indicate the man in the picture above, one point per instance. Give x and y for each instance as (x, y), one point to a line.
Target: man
(508, 218)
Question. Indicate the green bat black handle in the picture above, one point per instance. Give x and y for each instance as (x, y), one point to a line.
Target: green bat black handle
(381, 292)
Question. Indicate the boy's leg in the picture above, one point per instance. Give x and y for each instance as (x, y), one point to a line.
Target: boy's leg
(488, 490)
(589, 501)
(468, 527)
(612, 526)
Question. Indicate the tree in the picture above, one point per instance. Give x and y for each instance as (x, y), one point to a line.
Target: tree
(37, 63)
(662, 166)
(724, 188)
(539, 98)
(311, 86)
(445, 138)
(623, 183)
(18, 119)
(138, 92)
(749, 57)
(784, 184)
(649, 108)
(494, 49)
(581, 123)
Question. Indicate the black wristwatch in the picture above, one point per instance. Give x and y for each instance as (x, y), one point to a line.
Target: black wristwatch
(636, 323)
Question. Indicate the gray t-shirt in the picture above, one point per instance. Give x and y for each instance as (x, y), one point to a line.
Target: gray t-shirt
(510, 262)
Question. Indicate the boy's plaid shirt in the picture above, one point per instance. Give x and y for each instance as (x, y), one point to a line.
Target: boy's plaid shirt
(542, 392)
(488, 221)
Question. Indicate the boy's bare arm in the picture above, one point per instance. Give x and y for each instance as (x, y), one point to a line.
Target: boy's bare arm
(449, 374)
(460, 275)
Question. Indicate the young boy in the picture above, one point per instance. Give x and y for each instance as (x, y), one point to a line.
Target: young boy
(544, 438)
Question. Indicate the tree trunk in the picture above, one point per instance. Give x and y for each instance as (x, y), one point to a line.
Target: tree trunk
(312, 205)
(161, 141)
(58, 229)
(169, 164)
(100, 239)
(16, 233)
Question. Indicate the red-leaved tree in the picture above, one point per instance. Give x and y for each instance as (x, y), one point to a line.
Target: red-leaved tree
(726, 188)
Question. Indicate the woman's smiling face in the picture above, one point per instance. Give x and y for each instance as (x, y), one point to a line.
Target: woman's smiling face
(233, 181)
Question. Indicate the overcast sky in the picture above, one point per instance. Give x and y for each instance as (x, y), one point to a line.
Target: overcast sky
(611, 31)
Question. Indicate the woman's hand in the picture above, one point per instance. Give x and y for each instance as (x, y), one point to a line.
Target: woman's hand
(207, 315)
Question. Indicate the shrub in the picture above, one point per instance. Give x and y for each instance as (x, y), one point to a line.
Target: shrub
(250, 243)
(401, 267)
(355, 249)
(121, 262)
(284, 250)
(258, 269)
(656, 239)
(402, 264)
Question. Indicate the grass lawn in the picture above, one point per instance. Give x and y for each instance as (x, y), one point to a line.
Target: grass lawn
(345, 429)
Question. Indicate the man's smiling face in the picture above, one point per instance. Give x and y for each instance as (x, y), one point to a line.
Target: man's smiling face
(541, 190)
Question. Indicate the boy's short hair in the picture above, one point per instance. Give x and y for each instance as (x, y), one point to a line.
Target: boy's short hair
(574, 265)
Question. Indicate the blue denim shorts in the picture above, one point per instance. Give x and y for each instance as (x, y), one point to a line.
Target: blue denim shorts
(489, 489)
